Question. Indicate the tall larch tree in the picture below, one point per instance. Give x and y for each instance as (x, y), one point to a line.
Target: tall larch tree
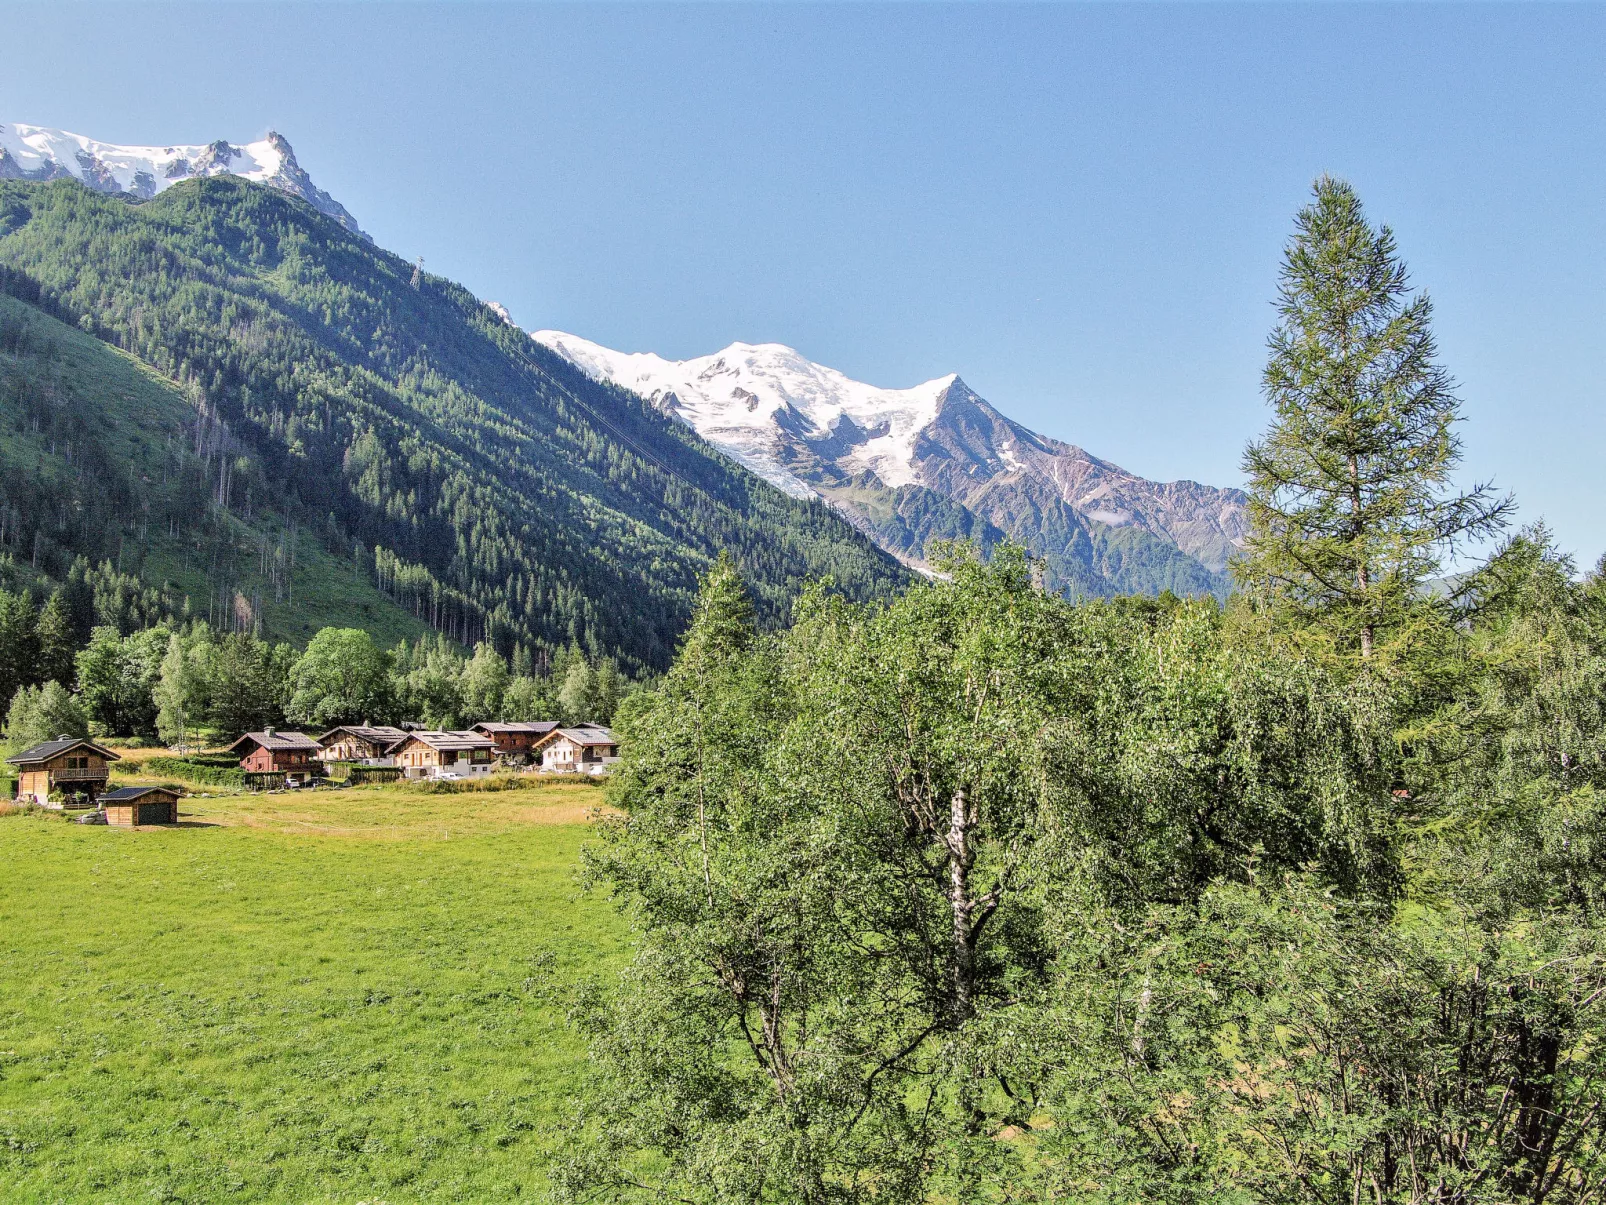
(1350, 505)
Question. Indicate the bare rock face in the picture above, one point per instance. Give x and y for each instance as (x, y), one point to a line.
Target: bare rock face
(293, 179)
(995, 466)
(38, 153)
(938, 461)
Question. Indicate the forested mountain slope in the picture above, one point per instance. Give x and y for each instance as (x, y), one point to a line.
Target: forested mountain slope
(103, 459)
(482, 484)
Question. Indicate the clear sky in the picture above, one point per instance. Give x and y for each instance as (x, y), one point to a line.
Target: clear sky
(1079, 209)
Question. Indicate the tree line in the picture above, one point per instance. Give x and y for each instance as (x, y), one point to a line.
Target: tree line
(988, 895)
(186, 683)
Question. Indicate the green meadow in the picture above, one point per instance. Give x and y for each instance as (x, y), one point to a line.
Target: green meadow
(334, 996)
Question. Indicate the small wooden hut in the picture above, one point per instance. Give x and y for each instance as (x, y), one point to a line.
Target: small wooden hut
(128, 807)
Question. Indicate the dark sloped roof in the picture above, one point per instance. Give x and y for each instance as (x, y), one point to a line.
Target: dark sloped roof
(448, 741)
(49, 749)
(533, 727)
(278, 741)
(127, 794)
(380, 734)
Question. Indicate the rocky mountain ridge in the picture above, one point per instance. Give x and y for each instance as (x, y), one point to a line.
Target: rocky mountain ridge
(934, 461)
(40, 153)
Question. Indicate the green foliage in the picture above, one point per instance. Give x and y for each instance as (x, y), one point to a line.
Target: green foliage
(1512, 775)
(195, 770)
(342, 678)
(19, 643)
(181, 693)
(1279, 1044)
(485, 682)
(437, 685)
(107, 461)
(250, 681)
(118, 676)
(846, 851)
(480, 483)
(1348, 505)
(983, 895)
(42, 713)
(57, 640)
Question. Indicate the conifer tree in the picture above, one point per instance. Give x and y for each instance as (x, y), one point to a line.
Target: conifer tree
(19, 643)
(1350, 508)
(723, 621)
(57, 641)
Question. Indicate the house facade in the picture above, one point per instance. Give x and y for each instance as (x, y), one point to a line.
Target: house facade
(445, 754)
(271, 753)
(516, 741)
(363, 744)
(584, 749)
(68, 767)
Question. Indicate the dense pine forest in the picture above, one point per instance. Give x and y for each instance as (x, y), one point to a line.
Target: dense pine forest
(294, 422)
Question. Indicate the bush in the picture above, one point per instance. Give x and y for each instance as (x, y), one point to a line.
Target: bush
(198, 769)
(357, 775)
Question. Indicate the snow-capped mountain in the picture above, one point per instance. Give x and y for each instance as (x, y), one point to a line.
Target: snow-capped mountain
(757, 402)
(933, 461)
(37, 153)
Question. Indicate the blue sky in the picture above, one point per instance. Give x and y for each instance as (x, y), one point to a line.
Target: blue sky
(1079, 209)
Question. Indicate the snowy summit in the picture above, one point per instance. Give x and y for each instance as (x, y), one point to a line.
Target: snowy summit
(754, 401)
(39, 153)
(908, 465)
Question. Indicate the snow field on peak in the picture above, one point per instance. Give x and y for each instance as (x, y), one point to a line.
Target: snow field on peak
(741, 400)
(36, 148)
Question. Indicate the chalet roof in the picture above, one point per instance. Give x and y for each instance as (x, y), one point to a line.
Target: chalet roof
(278, 742)
(584, 735)
(451, 741)
(128, 794)
(46, 750)
(533, 727)
(379, 734)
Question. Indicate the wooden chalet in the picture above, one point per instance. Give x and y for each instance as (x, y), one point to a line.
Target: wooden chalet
(584, 749)
(272, 754)
(433, 753)
(364, 744)
(515, 741)
(71, 766)
(129, 807)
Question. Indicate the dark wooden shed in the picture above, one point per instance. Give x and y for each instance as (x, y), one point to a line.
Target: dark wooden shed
(130, 806)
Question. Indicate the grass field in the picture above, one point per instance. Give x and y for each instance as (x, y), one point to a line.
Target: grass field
(333, 996)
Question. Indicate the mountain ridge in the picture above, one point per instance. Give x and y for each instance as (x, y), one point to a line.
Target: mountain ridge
(480, 482)
(899, 461)
(41, 154)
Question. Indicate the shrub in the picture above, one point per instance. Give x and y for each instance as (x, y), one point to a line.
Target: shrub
(357, 775)
(197, 769)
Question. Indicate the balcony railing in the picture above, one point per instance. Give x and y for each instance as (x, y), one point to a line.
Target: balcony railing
(92, 774)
